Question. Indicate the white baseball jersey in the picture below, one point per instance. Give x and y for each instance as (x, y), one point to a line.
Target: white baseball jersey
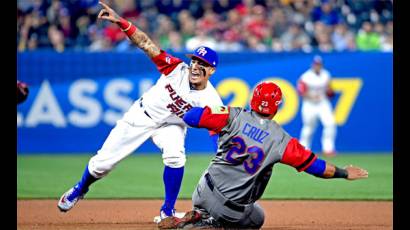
(157, 115)
(172, 96)
(316, 105)
(316, 84)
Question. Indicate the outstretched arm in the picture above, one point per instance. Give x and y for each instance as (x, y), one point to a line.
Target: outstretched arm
(297, 156)
(139, 38)
(213, 119)
(323, 169)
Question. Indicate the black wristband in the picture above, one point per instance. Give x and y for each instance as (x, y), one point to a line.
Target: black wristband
(340, 173)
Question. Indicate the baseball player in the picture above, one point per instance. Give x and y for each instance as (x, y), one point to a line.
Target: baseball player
(250, 144)
(314, 87)
(156, 115)
(22, 92)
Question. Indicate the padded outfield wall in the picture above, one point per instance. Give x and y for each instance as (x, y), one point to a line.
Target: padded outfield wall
(76, 97)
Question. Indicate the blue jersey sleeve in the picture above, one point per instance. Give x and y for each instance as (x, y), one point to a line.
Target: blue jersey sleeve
(317, 168)
(193, 116)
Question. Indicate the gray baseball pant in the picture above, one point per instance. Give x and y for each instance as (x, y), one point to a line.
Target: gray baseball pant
(230, 214)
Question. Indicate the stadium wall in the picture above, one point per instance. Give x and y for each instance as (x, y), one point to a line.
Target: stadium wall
(76, 97)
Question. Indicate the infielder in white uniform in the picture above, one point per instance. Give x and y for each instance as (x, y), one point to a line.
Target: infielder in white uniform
(156, 115)
(314, 87)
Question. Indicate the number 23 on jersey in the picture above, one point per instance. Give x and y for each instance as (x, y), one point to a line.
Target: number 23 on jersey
(250, 157)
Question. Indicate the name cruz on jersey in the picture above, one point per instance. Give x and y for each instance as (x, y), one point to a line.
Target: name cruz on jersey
(254, 133)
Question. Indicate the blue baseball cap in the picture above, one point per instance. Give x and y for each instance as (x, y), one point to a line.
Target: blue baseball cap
(317, 59)
(206, 54)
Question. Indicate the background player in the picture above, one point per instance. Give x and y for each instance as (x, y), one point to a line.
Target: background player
(157, 115)
(22, 92)
(314, 87)
(250, 144)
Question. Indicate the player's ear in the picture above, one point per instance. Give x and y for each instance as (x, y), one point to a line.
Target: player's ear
(212, 70)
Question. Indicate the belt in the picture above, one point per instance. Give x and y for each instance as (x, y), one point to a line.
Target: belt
(142, 106)
(227, 203)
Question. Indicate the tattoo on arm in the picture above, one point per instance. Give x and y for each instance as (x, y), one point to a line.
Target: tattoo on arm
(141, 40)
(117, 17)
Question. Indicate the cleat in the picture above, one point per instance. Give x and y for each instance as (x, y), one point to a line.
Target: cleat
(207, 223)
(70, 198)
(162, 216)
(173, 222)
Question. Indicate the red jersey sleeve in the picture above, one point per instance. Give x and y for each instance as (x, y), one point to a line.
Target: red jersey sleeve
(165, 62)
(214, 119)
(212, 133)
(297, 156)
(301, 87)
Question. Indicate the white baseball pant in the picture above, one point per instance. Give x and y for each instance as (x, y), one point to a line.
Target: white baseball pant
(311, 111)
(133, 130)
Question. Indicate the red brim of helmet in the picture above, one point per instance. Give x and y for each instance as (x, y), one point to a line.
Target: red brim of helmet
(191, 55)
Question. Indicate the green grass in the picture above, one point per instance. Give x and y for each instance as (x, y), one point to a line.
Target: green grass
(140, 176)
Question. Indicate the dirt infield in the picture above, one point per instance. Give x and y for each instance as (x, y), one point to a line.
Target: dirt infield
(138, 214)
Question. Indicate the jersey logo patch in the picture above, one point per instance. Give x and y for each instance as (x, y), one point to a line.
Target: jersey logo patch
(219, 110)
(179, 106)
(202, 51)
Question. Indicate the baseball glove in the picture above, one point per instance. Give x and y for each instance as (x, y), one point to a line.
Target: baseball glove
(22, 92)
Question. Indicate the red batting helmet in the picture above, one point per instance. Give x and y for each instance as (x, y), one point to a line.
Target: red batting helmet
(266, 98)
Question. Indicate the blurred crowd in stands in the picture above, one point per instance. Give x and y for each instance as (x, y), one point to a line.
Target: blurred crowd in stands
(225, 25)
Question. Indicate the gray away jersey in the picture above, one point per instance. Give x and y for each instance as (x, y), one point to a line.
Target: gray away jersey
(248, 147)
